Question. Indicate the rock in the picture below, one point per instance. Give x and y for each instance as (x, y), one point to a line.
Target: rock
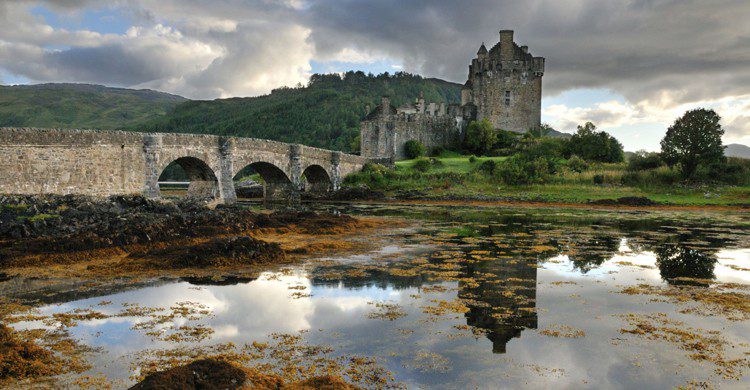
(625, 201)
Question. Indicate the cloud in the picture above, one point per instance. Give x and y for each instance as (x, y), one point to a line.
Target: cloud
(661, 53)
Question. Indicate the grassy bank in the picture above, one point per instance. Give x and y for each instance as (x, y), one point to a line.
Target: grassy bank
(462, 177)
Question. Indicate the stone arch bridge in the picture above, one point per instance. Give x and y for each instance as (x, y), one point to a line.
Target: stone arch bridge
(89, 162)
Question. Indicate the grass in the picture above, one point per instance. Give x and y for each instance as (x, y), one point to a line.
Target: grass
(457, 164)
(456, 177)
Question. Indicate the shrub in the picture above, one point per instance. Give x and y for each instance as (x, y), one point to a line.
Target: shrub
(657, 176)
(413, 149)
(598, 179)
(480, 136)
(472, 159)
(435, 162)
(437, 151)
(735, 171)
(641, 161)
(488, 167)
(545, 147)
(520, 170)
(577, 164)
(422, 165)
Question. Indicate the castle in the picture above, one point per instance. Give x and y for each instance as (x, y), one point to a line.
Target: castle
(504, 86)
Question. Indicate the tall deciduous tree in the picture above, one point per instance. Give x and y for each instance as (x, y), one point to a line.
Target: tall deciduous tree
(693, 139)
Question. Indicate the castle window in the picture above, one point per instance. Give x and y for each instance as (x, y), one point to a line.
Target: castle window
(507, 98)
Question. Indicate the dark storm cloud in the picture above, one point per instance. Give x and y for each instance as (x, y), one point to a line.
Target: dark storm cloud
(693, 49)
(664, 51)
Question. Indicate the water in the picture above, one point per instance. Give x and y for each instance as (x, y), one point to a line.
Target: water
(485, 298)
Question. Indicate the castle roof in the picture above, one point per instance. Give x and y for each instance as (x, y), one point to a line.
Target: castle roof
(518, 53)
(482, 49)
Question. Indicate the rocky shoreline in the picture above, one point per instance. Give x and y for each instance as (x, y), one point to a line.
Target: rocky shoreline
(141, 233)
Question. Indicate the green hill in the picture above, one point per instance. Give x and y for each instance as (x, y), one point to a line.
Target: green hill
(81, 106)
(326, 113)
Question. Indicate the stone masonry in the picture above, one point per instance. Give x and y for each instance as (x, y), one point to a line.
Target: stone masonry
(57, 161)
(504, 86)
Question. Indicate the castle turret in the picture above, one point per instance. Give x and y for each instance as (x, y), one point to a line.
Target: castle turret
(505, 85)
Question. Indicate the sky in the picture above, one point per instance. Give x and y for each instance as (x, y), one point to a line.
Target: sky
(630, 66)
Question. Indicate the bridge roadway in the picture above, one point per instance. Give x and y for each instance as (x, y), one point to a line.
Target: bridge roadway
(93, 162)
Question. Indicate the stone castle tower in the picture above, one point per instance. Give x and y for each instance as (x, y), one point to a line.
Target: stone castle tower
(505, 85)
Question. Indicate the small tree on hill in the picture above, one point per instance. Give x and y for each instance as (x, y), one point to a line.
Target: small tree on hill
(693, 139)
(413, 149)
(480, 137)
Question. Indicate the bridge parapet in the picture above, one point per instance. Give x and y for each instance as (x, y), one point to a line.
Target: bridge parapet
(96, 162)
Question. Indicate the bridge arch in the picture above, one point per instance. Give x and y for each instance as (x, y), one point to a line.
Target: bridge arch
(202, 179)
(316, 179)
(276, 183)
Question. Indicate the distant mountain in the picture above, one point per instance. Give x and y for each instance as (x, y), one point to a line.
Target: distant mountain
(737, 150)
(326, 113)
(81, 106)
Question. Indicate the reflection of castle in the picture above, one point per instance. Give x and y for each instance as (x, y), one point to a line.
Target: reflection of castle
(505, 299)
(504, 86)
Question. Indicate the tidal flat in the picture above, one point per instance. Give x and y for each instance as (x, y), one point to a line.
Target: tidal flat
(430, 296)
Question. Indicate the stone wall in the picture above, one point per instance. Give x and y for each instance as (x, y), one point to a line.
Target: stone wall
(58, 161)
(505, 85)
(384, 136)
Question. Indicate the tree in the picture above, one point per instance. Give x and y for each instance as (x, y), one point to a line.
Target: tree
(544, 130)
(693, 139)
(592, 145)
(413, 149)
(480, 136)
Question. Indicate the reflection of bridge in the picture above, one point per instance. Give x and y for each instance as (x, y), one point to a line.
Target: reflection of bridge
(35, 161)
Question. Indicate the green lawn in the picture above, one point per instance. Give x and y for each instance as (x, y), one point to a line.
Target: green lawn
(458, 164)
(457, 178)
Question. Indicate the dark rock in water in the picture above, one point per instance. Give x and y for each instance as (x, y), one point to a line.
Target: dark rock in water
(626, 201)
(356, 193)
(216, 253)
(223, 281)
(217, 374)
(207, 374)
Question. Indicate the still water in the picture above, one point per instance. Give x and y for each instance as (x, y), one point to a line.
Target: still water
(474, 298)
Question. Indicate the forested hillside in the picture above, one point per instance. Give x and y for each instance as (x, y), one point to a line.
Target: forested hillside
(81, 106)
(326, 113)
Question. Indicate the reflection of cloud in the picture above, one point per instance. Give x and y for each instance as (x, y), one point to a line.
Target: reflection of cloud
(729, 258)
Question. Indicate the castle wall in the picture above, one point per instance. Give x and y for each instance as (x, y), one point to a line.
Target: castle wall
(524, 93)
(505, 84)
(384, 137)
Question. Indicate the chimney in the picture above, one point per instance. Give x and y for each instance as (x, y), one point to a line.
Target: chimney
(506, 45)
(525, 49)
